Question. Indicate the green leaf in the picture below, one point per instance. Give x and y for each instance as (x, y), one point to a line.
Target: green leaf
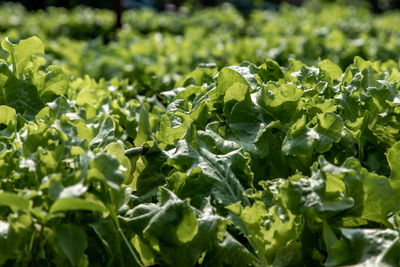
(226, 78)
(8, 121)
(20, 54)
(15, 237)
(7, 115)
(221, 255)
(316, 192)
(246, 121)
(14, 201)
(334, 70)
(53, 82)
(237, 92)
(309, 76)
(105, 168)
(361, 64)
(106, 230)
(201, 74)
(351, 190)
(104, 133)
(71, 204)
(301, 139)
(173, 227)
(249, 72)
(272, 72)
(153, 173)
(72, 241)
(279, 101)
(223, 176)
(19, 94)
(373, 194)
(366, 247)
(178, 214)
(255, 137)
(118, 151)
(176, 121)
(393, 158)
(269, 230)
(144, 133)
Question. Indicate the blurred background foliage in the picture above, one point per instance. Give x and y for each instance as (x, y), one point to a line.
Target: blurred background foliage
(155, 49)
(245, 6)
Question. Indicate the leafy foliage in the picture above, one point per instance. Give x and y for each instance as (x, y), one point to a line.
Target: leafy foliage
(154, 49)
(247, 165)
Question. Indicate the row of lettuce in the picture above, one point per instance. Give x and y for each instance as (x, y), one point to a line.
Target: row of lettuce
(154, 49)
(252, 165)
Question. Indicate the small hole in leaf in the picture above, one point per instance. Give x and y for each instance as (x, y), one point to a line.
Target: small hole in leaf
(2, 126)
